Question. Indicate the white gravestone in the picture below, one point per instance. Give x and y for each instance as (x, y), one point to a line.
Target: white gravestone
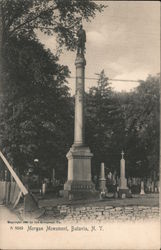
(142, 188)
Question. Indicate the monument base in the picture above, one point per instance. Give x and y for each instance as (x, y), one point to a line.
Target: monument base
(80, 195)
(79, 184)
(76, 190)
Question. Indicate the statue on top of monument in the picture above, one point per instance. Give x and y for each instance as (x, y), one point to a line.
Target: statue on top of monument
(81, 34)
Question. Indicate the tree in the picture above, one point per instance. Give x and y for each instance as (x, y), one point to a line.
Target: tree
(22, 18)
(143, 127)
(102, 120)
(38, 111)
(128, 121)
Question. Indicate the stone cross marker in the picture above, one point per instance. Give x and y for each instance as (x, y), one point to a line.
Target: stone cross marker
(123, 181)
(123, 189)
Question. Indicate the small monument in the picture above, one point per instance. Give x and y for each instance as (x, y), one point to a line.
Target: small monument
(142, 188)
(123, 188)
(79, 181)
(102, 179)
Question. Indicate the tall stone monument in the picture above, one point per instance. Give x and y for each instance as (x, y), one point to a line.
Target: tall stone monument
(123, 188)
(79, 183)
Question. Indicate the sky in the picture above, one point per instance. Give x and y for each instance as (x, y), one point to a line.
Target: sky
(124, 40)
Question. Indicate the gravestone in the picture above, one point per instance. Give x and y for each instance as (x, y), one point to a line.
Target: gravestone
(102, 179)
(148, 185)
(142, 188)
(43, 188)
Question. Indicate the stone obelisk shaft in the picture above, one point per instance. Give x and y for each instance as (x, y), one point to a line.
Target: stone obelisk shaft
(102, 179)
(79, 101)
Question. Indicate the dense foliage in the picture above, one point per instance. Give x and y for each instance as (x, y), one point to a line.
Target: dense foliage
(124, 121)
(22, 18)
(103, 122)
(38, 110)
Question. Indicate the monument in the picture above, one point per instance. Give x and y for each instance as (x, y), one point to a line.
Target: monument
(123, 188)
(102, 179)
(79, 181)
(142, 188)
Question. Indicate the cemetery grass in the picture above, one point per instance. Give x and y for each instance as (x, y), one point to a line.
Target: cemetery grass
(150, 200)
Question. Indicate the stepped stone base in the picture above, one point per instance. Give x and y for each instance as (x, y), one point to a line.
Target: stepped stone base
(80, 195)
(79, 184)
(124, 191)
(79, 190)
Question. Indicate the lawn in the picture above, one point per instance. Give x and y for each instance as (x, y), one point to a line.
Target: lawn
(150, 200)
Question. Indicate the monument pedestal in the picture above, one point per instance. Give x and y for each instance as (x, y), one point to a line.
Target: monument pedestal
(123, 189)
(79, 184)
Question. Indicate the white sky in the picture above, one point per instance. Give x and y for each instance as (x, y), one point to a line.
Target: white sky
(124, 40)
